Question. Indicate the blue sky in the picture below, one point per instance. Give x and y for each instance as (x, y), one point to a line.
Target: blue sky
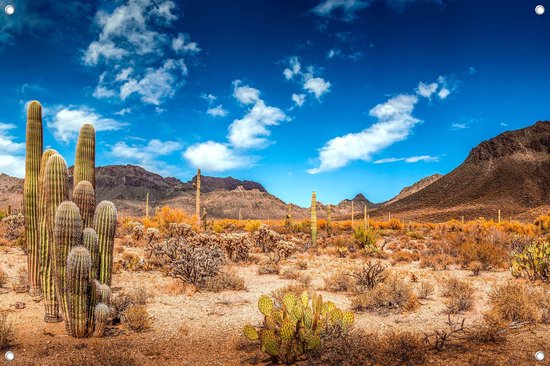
(340, 96)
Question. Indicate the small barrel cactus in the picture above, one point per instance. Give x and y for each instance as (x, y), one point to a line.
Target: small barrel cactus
(101, 315)
(105, 227)
(84, 197)
(76, 292)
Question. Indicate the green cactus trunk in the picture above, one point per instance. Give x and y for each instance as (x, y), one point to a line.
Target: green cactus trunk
(78, 280)
(313, 219)
(84, 197)
(90, 242)
(67, 235)
(56, 190)
(101, 315)
(198, 198)
(105, 227)
(84, 164)
(30, 194)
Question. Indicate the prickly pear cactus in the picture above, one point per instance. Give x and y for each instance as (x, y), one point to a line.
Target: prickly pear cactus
(533, 263)
(297, 327)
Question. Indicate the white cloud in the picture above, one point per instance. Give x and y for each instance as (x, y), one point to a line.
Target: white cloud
(209, 98)
(293, 69)
(317, 86)
(12, 159)
(395, 123)
(412, 159)
(217, 111)
(504, 124)
(426, 90)
(444, 93)
(215, 157)
(444, 86)
(137, 53)
(299, 99)
(67, 122)
(460, 126)
(245, 94)
(124, 111)
(348, 7)
(147, 155)
(337, 53)
(251, 130)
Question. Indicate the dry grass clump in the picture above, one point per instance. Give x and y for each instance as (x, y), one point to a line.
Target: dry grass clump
(425, 290)
(489, 254)
(459, 294)
(137, 318)
(493, 329)
(3, 278)
(339, 282)
(121, 301)
(268, 268)
(517, 302)
(7, 333)
(392, 293)
(437, 262)
(225, 281)
(20, 283)
(403, 256)
(476, 268)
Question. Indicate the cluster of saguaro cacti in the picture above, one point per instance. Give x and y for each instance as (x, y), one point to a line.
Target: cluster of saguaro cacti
(288, 333)
(69, 262)
(313, 219)
(533, 263)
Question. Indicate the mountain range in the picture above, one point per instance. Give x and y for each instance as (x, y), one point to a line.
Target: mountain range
(510, 172)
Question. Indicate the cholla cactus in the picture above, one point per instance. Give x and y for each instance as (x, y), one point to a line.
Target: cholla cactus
(237, 246)
(296, 328)
(152, 235)
(533, 263)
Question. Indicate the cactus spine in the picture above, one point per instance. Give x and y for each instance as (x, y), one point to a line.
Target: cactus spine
(78, 279)
(56, 190)
(198, 198)
(84, 164)
(313, 219)
(30, 193)
(84, 197)
(105, 227)
(67, 235)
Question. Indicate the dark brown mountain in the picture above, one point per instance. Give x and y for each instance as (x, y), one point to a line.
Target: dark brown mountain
(421, 184)
(510, 172)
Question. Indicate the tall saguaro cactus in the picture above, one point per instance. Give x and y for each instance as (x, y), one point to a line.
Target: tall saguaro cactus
(105, 227)
(30, 193)
(313, 219)
(84, 197)
(329, 220)
(67, 235)
(84, 164)
(78, 281)
(56, 190)
(198, 198)
(352, 215)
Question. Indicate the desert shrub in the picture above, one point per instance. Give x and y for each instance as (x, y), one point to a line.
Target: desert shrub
(237, 246)
(339, 282)
(152, 235)
(369, 275)
(490, 255)
(13, 226)
(133, 262)
(515, 302)
(269, 268)
(20, 283)
(533, 262)
(403, 348)
(122, 300)
(289, 333)
(438, 262)
(7, 333)
(439, 338)
(225, 281)
(177, 230)
(137, 318)
(476, 268)
(273, 244)
(167, 215)
(392, 293)
(425, 290)
(493, 329)
(459, 295)
(3, 278)
(543, 224)
(404, 256)
(301, 264)
(366, 238)
(343, 252)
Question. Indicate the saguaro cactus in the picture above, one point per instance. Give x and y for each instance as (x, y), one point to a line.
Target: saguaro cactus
(84, 164)
(313, 219)
(84, 197)
(147, 205)
(329, 219)
(90, 242)
(105, 226)
(352, 215)
(56, 190)
(30, 193)
(198, 198)
(67, 235)
(78, 280)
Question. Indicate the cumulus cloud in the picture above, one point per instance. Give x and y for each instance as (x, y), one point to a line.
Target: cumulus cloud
(244, 93)
(443, 87)
(215, 157)
(293, 69)
(136, 55)
(217, 111)
(426, 90)
(146, 155)
(299, 99)
(307, 78)
(412, 159)
(66, 122)
(317, 86)
(12, 158)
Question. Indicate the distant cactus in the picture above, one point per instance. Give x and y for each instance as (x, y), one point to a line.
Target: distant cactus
(101, 315)
(76, 292)
(84, 164)
(329, 220)
(67, 235)
(105, 227)
(147, 205)
(84, 197)
(90, 242)
(352, 215)
(313, 219)
(198, 198)
(56, 190)
(297, 327)
(30, 194)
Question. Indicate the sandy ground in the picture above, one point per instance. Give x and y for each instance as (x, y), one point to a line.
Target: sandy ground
(204, 328)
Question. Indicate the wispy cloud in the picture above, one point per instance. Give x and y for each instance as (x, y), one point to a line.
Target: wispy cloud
(412, 159)
(334, 53)
(135, 57)
(66, 121)
(12, 159)
(460, 126)
(217, 111)
(347, 9)
(147, 155)
(307, 77)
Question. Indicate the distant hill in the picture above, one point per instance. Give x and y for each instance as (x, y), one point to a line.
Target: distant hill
(421, 184)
